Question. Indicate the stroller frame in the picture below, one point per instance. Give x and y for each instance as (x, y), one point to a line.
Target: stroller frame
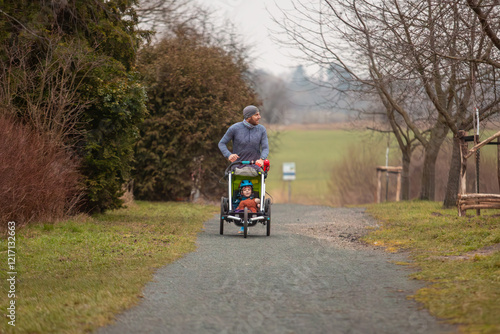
(245, 218)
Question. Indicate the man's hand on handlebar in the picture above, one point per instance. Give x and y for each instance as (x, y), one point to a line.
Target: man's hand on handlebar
(233, 157)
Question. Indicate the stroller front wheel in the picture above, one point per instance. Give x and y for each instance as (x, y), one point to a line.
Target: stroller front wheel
(268, 215)
(245, 223)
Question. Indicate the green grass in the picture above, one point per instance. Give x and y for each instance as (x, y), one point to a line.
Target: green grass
(314, 152)
(74, 276)
(463, 290)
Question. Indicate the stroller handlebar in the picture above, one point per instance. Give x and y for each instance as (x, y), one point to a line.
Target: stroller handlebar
(241, 163)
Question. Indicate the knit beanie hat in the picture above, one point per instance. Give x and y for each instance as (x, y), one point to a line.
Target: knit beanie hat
(249, 111)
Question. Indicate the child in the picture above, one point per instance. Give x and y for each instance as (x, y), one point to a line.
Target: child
(245, 192)
(245, 198)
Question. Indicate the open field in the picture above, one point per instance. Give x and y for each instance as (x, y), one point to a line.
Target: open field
(314, 149)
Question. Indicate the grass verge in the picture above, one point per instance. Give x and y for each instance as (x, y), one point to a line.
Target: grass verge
(74, 276)
(458, 256)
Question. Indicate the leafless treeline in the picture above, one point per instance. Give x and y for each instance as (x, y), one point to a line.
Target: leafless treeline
(426, 62)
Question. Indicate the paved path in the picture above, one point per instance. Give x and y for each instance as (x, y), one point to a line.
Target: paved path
(285, 283)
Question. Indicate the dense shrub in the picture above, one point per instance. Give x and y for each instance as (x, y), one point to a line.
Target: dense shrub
(111, 130)
(38, 179)
(196, 91)
(68, 72)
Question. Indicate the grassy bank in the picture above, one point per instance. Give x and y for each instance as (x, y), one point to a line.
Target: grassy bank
(74, 275)
(458, 256)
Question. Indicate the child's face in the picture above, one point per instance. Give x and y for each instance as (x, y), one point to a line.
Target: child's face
(246, 191)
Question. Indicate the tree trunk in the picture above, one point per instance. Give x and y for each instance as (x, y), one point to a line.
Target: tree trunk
(450, 199)
(428, 186)
(405, 176)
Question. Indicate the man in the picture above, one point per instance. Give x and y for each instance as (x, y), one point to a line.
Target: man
(249, 138)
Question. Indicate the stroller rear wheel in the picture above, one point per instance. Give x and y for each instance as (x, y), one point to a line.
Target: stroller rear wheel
(224, 206)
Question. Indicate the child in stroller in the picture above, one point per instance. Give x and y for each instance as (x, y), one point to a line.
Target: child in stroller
(246, 199)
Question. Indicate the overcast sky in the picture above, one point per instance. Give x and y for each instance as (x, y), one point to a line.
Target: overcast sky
(253, 20)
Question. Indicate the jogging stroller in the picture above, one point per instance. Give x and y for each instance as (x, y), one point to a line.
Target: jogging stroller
(245, 218)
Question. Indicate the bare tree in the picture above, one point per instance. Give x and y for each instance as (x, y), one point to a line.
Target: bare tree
(488, 16)
(163, 15)
(383, 42)
(456, 37)
(274, 94)
(48, 89)
(173, 18)
(345, 34)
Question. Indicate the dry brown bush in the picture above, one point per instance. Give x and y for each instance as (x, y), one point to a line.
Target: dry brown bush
(354, 179)
(38, 179)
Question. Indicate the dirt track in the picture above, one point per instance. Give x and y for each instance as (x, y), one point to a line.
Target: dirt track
(290, 282)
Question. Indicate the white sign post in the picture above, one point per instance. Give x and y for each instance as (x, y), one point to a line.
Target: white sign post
(289, 175)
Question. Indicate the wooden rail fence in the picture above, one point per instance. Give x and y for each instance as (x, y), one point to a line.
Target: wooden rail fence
(475, 201)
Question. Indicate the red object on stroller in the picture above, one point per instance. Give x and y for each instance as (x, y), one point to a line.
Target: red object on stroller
(267, 165)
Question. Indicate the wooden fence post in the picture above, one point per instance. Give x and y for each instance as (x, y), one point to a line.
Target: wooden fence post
(379, 184)
(398, 187)
(463, 171)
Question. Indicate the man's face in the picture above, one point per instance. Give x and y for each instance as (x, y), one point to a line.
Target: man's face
(246, 191)
(254, 120)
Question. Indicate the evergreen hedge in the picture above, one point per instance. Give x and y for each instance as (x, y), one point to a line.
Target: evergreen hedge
(196, 91)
